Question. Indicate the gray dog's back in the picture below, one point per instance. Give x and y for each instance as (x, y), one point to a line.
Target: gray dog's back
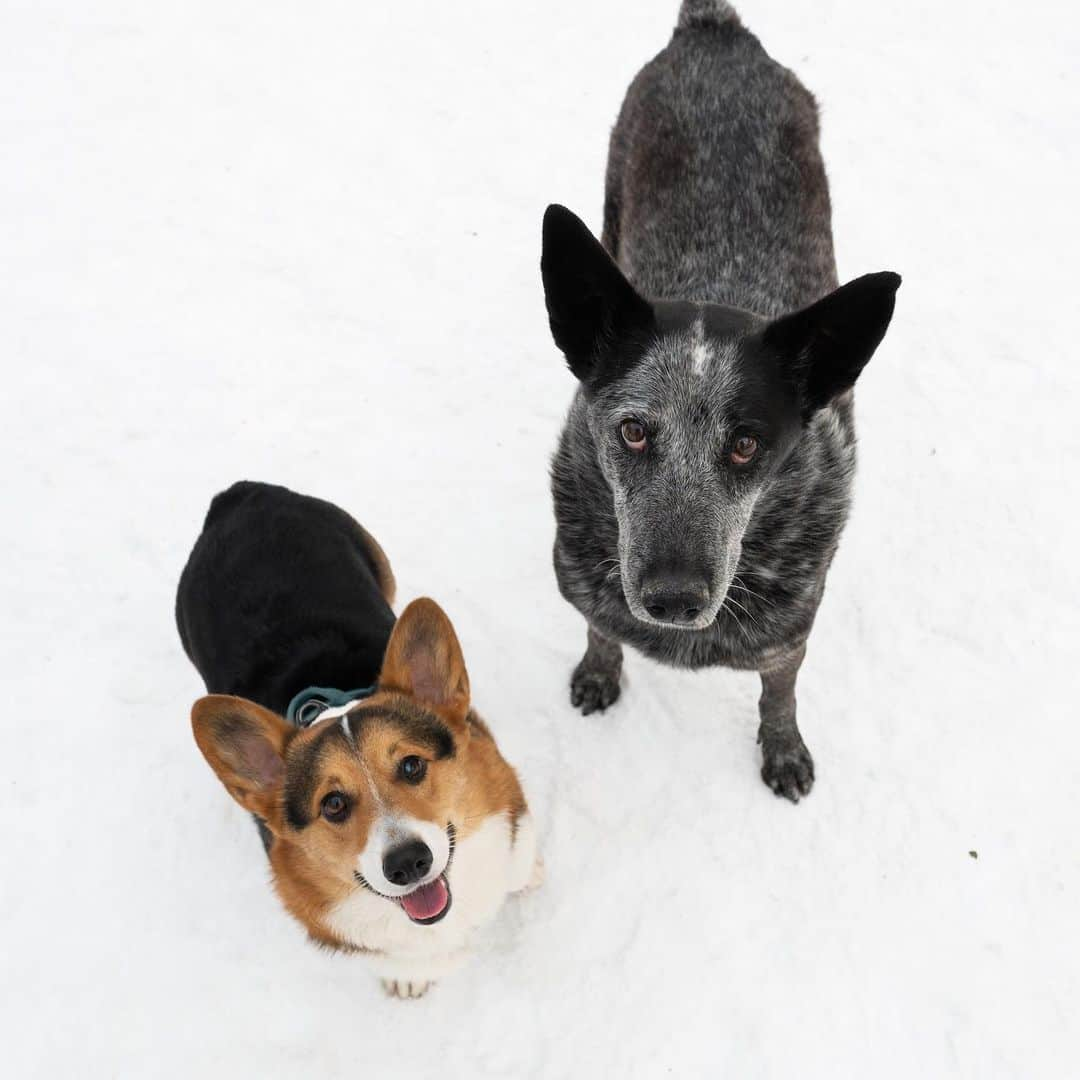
(716, 190)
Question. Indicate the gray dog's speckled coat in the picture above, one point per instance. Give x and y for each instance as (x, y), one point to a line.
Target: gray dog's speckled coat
(716, 201)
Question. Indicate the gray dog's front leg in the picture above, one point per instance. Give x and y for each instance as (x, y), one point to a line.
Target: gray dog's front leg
(787, 766)
(595, 682)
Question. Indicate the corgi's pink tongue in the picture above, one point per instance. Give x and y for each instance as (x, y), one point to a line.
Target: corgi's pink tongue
(427, 901)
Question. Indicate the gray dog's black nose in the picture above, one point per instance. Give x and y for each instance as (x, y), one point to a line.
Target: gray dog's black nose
(407, 863)
(675, 598)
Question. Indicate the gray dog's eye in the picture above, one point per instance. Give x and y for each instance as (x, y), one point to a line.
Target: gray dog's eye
(744, 448)
(634, 434)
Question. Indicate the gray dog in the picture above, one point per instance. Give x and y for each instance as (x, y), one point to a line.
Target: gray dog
(704, 474)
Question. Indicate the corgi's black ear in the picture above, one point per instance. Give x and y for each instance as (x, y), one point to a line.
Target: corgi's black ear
(591, 305)
(827, 344)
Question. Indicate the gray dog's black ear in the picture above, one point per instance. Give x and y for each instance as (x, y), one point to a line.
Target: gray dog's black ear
(830, 342)
(591, 305)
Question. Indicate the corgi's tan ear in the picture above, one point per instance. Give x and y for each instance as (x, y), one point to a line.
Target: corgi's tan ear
(424, 660)
(245, 745)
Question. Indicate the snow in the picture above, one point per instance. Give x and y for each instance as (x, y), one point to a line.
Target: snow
(301, 244)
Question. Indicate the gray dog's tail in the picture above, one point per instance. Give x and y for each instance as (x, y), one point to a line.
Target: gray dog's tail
(701, 13)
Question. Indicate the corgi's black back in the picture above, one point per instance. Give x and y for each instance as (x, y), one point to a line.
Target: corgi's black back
(283, 591)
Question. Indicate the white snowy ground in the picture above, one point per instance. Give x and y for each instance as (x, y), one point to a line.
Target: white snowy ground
(300, 243)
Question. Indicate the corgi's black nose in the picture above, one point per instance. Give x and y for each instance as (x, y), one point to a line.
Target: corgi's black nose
(674, 598)
(407, 863)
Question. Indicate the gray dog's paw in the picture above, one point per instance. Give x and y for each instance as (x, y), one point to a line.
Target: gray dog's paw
(593, 691)
(788, 770)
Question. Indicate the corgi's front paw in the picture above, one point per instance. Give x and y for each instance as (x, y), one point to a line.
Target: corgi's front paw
(405, 988)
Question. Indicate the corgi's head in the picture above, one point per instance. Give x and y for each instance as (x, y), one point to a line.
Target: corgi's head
(366, 799)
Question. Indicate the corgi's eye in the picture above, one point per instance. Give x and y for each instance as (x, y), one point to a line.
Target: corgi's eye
(335, 807)
(412, 769)
(743, 449)
(634, 434)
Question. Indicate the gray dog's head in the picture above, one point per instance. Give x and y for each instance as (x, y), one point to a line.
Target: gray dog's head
(693, 409)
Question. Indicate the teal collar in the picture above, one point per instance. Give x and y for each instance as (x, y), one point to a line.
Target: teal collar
(309, 704)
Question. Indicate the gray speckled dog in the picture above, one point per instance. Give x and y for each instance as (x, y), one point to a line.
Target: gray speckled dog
(704, 474)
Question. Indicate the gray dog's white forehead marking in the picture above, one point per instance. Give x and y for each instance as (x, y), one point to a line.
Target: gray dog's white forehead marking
(699, 348)
(685, 376)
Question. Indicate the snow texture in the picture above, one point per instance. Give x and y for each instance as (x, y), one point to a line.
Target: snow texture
(300, 243)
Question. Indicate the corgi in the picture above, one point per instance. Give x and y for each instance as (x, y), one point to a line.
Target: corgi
(393, 825)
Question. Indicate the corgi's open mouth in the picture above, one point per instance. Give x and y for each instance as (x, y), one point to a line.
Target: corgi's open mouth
(429, 903)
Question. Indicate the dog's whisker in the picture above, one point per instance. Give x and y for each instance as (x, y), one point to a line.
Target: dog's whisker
(736, 584)
(745, 633)
(743, 609)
